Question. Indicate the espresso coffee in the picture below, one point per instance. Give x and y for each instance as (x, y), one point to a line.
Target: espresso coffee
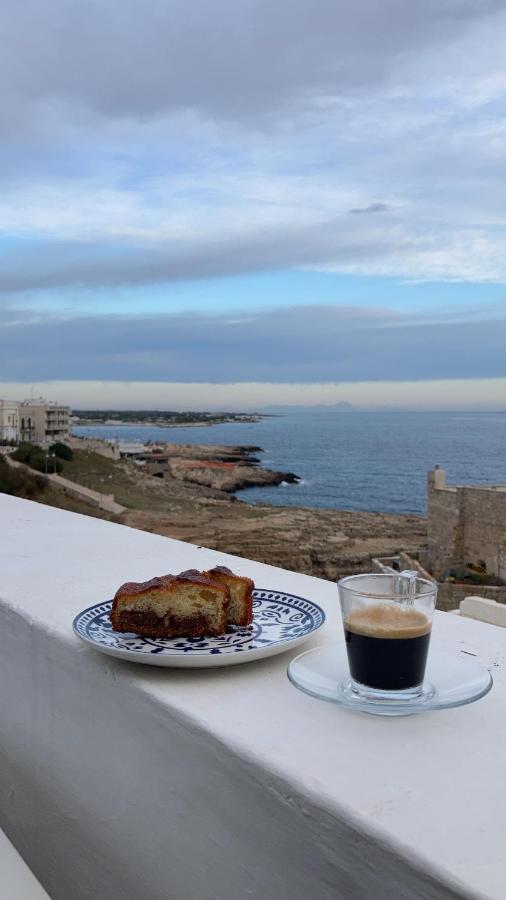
(387, 646)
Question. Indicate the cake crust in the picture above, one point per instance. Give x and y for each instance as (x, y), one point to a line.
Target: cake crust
(162, 581)
(185, 605)
(240, 611)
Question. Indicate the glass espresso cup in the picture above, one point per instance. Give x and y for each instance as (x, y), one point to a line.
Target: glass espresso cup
(387, 622)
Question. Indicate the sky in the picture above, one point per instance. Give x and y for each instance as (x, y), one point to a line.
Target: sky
(230, 204)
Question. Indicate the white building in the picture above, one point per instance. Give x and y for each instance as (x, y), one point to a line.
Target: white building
(9, 420)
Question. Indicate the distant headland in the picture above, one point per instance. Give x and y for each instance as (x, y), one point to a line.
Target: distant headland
(160, 418)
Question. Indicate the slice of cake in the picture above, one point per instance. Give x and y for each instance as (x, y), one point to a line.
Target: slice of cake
(240, 611)
(185, 605)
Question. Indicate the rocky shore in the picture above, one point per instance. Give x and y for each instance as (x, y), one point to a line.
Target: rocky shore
(222, 468)
(326, 543)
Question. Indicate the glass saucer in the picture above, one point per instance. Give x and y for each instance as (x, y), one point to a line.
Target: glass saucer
(453, 679)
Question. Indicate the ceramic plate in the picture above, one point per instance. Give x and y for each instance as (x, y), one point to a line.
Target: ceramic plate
(280, 622)
(452, 679)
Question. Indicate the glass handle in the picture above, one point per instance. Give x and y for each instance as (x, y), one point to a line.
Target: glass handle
(409, 600)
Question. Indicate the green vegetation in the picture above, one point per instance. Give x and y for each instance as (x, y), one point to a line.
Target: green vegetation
(469, 575)
(118, 477)
(63, 451)
(154, 416)
(20, 483)
(35, 457)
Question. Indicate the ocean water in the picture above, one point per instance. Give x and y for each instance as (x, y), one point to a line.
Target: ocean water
(372, 461)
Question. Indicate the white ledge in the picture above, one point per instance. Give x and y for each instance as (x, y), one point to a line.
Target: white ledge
(123, 780)
(18, 883)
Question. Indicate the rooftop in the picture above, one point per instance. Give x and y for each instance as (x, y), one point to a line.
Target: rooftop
(41, 401)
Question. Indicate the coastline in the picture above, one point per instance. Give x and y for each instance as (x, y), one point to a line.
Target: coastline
(161, 423)
(327, 543)
(365, 461)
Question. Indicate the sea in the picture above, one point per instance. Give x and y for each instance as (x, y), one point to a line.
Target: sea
(371, 461)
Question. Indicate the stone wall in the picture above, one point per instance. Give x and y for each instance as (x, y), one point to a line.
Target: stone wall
(449, 594)
(465, 525)
(484, 515)
(109, 450)
(444, 525)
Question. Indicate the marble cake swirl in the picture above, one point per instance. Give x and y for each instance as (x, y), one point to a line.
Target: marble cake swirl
(191, 604)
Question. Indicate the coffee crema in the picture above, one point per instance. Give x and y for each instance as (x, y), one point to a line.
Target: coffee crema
(389, 621)
(387, 646)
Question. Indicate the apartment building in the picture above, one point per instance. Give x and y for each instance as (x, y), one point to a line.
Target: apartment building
(9, 420)
(43, 422)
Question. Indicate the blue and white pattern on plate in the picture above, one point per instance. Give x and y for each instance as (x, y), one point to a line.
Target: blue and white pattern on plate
(280, 621)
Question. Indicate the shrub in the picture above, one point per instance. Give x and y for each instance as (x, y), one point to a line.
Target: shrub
(63, 451)
(33, 456)
(24, 452)
(19, 482)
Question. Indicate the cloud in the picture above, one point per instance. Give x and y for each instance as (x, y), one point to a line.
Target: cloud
(232, 250)
(372, 208)
(145, 142)
(237, 61)
(358, 245)
(317, 344)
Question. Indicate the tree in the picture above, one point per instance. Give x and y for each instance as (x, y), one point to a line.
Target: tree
(35, 457)
(63, 451)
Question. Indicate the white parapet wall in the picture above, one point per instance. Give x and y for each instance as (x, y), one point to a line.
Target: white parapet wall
(127, 781)
(17, 882)
(484, 610)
